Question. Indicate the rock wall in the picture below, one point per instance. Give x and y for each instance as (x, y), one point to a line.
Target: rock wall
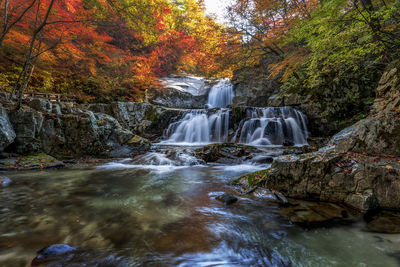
(72, 130)
(142, 119)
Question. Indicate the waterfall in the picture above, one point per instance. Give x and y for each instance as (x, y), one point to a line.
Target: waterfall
(274, 126)
(221, 94)
(262, 126)
(199, 127)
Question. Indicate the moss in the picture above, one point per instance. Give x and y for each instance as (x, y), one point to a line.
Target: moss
(252, 179)
(38, 158)
(152, 115)
(135, 139)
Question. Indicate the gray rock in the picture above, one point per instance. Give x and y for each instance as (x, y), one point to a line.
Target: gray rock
(7, 134)
(375, 136)
(40, 104)
(27, 124)
(142, 119)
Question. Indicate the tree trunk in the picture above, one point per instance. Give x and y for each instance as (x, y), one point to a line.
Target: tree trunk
(29, 56)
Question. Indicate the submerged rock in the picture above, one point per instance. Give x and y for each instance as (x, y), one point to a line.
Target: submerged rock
(317, 214)
(65, 255)
(384, 222)
(5, 181)
(227, 199)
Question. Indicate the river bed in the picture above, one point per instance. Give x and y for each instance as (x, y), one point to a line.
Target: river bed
(119, 214)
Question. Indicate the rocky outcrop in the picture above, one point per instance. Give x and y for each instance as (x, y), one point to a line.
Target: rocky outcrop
(361, 182)
(174, 98)
(73, 131)
(27, 124)
(387, 102)
(142, 119)
(180, 92)
(375, 136)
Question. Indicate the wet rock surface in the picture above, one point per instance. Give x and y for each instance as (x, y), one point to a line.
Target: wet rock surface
(141, 119)
(228, 153)
(227, 199)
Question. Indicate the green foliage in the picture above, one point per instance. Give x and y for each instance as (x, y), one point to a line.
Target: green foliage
(344, 49)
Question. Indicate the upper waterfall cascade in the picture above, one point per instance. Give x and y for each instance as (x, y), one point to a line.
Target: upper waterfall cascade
(221, 95)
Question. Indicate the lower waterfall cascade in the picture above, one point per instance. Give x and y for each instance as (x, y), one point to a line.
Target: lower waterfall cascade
(271, 126)
(197, 126)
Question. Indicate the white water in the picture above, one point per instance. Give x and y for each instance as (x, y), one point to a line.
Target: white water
(159, 162)
(221, 94)
(199, 127)
(262, 127)
(273, 126)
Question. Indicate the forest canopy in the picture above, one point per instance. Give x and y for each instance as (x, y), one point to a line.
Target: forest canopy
(105, 50)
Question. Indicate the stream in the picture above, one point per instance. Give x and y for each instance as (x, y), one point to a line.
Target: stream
(121, 214)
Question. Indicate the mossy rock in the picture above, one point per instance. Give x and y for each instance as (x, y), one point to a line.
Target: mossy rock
(257, 178)
(139, 143)
(34, 161)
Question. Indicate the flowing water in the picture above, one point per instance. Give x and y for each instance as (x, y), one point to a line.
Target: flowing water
(261, 127)
(199, 127)
(221, 95)
(160, 210)
(274, 126)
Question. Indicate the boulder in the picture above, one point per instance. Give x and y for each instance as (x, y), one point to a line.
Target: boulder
(5, 181)
(139, 143)
(375, 136)
(7, 134)
(27, 124)
(227, 199)
(360, 181)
